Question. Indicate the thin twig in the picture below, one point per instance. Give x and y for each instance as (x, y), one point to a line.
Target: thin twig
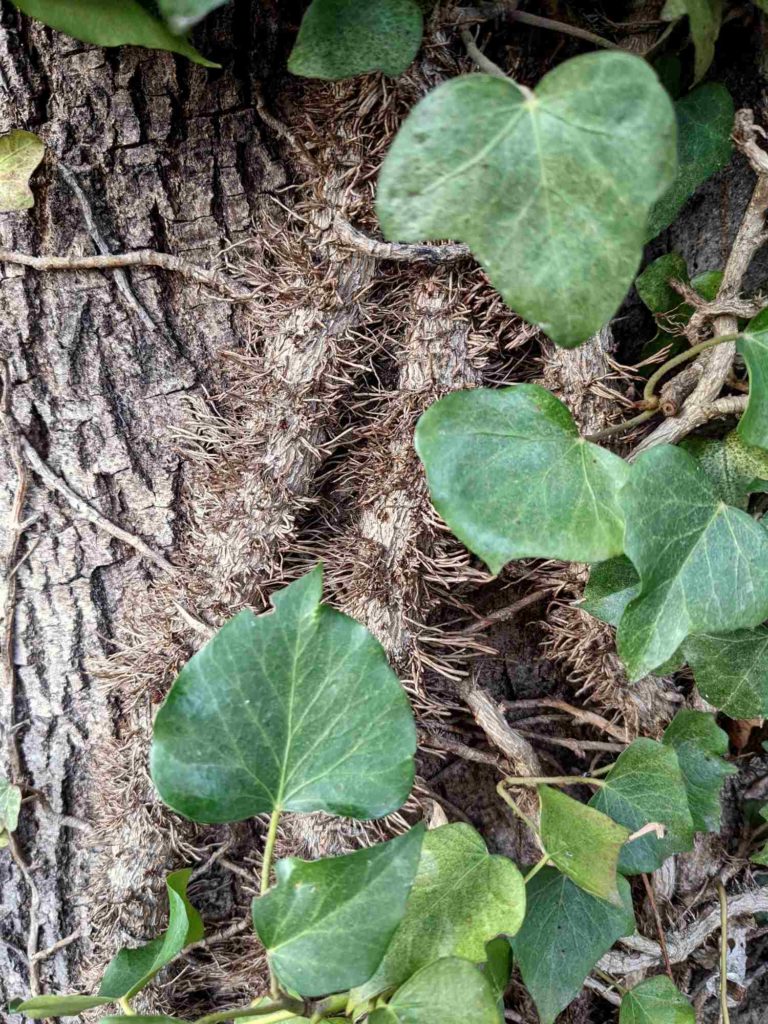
(723, 900)
(508, 612)
(489, 717)
(589, 717)
(446, 252)
(659, 928)
(45, 954)
(33, 928)
(436, 740)
(484, 63)
(561, 26)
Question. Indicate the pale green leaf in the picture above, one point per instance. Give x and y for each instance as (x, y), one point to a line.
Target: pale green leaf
(611, 586)
(461, 898)
(111, 23)
(753, 346)
(760, 856)
(132, 969)
(511, 477)
(583, 843)
(327, 923)
(700, 745)
(645, 786)
(704, 18)
(41, 1007)
(735, 468)
(20, 153)
(703, 565)
(564, 934)
(449, 991)
(181, 15)
(704, 146)
(551, 192)
(343, 38)
(656, 1001)
(295, 710)
(731, 670)
(10, 805)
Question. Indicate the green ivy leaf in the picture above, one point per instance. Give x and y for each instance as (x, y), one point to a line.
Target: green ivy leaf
(731, 670)
(461, 898)
(761, 856)
(753, 346)
(55, 1006)
(704, 146)
(296, 710)
(511, 477)
(703, 565)
(656, 1001)
(653, 285)
(646, 785)
(10, 805)
(343, 38)
(449, 991)
(132, 969)
(20, 153)
(704, 18)
(735, 468)
(583, 843)
(498, 967)
(551, 192)
(181, 15)
(564, 934)
(142, 1018)
(327, 923)
(700, 745)
(111, 23)
(611, 586)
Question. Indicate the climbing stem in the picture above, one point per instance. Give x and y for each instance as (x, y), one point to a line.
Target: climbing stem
(723, 898)
(126, 1007)
(552, 780)
(269, 850)
(263, 1008)
(510, 802)
(536, 868)
(679, 359)
(623, 427)
(610, 981)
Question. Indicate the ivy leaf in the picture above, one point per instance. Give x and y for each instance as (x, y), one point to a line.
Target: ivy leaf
(498, 967)
(111, 23)
(753, 346)
(704, 17)
(295, 710)
(550, 192)
(41, 1007)
(647, 785)
(656, 1001)
(583, 843)
(20, 153)
(653, 285)
(449, 991)
(704, 146)
(327, 923)
(511, 477)
(461, 897)
(564, 934)
(731, 670)
(132, 969)
(343, 38)
(761, 856)
(700, 745)
(10, 805)
(611, 586)
(735, 468)
(143, 1019)
(703, 565)
(181, 15)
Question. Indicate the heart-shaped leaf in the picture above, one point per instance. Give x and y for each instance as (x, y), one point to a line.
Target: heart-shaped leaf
(583, 843)
(343, 38)
(753, 346)
(20, 153)
(461, 898)
(449, 991)
(327, 923)
(646, 785)
(700, 745)
(296, 710)
(111, 23)
(656, 1001)
(704, 146)
(41, 1007)
(735, 468)
(132, 969)
(611, 586)
(551, 191)
(704, 18)
(731, 670)
(511, 477)
(703, 565)
(181, 15)
(564, 934)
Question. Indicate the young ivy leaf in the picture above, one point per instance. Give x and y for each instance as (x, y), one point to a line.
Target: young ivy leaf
(703, 565)
(343, 38)
(132, 969)
(42, 1007)
(653, 285)
(644, 786)
(111, 23)
(296, 710)
(753, 346)
(583, 843)
(461, 897)
(611, 586)
(761, 856)
(10, 805)
(704, 146)
(564, 934)
(704, 18)
(551, 191)
(327, 923)
(181, 15)
(731, 670)
(700, 745)
(498, 967)
(735, 468)
(20, 153)
(656, 1001)
(511, 477)
(448, 991)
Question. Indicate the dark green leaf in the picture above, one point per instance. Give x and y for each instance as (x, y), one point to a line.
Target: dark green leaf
(735, 468)
(327, 923)
(753, 346)
(551, 192)
(646, 785)
(295, 710)
(761, 856)
(110, 23)
(703, 565)
(564, 934)
(656, 1001)
(610, 588)
(704, 17)
(653, 285)
(510, 475)
(498, 967)
(449, 991)
(132, 969)
(55, 1006)
(704, 126)
(700, 745)
(343, 38)
(461, 898)
(20, 153)
(731, 670)
(183, 14)
(707, 284)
